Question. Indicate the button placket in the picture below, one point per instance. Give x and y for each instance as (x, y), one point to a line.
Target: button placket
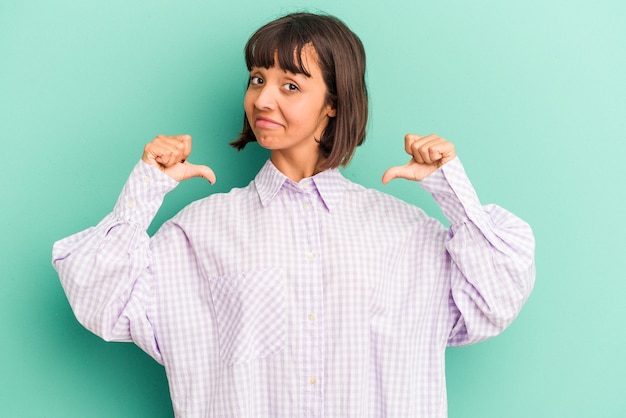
(312, 287)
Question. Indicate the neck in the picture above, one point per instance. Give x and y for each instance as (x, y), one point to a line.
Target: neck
(295, 168)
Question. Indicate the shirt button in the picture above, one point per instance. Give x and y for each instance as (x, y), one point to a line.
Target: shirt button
(306, 186)
(310, 255)
(311, 317)
(131, 204)
(306, 207)
(313, 381)
(147, 179)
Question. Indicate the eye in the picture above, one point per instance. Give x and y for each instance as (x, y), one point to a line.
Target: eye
(255, 80)
(291, 87)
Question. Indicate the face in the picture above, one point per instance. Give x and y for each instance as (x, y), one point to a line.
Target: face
(288, 112)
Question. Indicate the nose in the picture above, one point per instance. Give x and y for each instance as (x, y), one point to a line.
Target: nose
(265, 98)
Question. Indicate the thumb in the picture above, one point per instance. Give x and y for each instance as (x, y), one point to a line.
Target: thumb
(193, 170)
(393, 173)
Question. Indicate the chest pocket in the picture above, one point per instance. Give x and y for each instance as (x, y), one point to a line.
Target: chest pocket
(250, 310)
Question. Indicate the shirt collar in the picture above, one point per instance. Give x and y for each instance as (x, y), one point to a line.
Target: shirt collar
(330, 184)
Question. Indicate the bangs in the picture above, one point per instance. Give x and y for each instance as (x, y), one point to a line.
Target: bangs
(284, 42)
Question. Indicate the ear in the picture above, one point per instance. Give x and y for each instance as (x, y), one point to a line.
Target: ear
(332, 112)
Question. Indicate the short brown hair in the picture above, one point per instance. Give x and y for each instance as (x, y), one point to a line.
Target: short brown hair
(341, 57)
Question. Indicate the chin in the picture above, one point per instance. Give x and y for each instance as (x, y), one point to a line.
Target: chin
(267, 143)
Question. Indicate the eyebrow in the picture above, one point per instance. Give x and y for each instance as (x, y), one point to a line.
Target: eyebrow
(260, 68)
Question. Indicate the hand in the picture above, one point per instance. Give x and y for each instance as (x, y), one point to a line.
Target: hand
(170, 153)
(428, 154)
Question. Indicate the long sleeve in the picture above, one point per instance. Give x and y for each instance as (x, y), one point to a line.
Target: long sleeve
(492, 268)
(283, 299)
(104, 270)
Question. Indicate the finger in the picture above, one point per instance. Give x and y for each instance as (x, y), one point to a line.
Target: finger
(434, 155)
(169, 150)
(185, 141)
(394, 173)
(426, 148)
(177, 144)
(193, 170)
(413, 146)
(445, 152)
(166, 156)
(425, 151)
(409, 140)
(157, 153)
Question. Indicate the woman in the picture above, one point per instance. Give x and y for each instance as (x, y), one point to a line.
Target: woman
(302, 294)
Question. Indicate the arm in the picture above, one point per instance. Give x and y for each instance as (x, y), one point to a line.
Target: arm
(492, 268)
(105, 270)
(491, 252)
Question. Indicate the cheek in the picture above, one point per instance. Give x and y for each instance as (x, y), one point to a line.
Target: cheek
(248, 103)
(301, 113)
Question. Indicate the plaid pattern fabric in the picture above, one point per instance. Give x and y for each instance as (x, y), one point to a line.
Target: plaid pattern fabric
(310, 299)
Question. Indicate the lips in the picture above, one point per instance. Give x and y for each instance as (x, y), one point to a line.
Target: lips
(266, 123)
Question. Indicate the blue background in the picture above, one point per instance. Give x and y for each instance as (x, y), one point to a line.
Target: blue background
(532, 93)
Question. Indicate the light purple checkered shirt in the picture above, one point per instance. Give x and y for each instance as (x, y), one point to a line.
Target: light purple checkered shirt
(313, 299)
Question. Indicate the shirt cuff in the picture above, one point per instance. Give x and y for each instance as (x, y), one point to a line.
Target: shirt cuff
(143, 195)
(453, 192)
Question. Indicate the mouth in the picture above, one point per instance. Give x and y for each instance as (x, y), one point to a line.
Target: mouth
(266, 123)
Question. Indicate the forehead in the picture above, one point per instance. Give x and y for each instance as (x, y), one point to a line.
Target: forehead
(281, 47)
(306, 63)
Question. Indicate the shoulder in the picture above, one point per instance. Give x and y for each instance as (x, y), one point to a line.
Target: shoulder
(374, 204)
(219, 206)
(389, 223)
